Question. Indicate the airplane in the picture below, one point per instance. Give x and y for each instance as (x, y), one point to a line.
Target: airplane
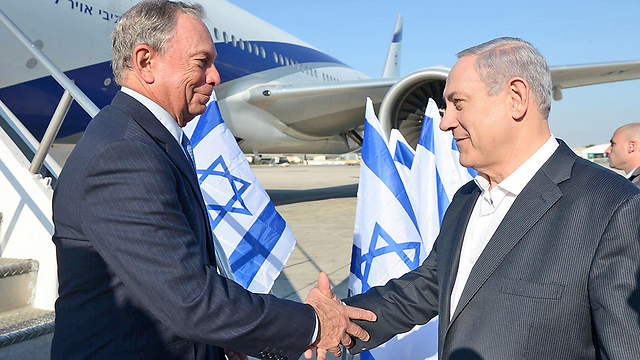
(278, 93)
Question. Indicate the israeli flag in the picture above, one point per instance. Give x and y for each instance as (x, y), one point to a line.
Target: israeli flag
(402, 154)
(433, 176)
(437, 174)
(255, 238)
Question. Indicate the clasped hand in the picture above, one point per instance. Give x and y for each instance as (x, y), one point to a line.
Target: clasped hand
(335, 323)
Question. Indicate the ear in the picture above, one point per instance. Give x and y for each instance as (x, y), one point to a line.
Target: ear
(519, 97)
(143, 63)
(633, 146)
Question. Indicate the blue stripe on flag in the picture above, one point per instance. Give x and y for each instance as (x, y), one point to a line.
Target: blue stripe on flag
(403, 154)
(427, 139)
(377, 158)
(208, 121)
(427, 135)
(254, 249)
(443, 199)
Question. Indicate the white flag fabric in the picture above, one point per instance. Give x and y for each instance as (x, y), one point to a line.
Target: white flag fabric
(402, 154)
(255, 238)
(433, 176)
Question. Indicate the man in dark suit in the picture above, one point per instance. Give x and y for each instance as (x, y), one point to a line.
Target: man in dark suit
(624, 152)
(539, 256)
(136, 267)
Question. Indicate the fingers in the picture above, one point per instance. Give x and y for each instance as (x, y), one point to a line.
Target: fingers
(336, 351)
(360, 314)
(346, 341)
(357, 331)
(308, 353)
(324, 285)
(321, 354)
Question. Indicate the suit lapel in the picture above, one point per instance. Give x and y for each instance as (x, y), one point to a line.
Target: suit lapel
(529, 207)
(174, 151)
(453, 232)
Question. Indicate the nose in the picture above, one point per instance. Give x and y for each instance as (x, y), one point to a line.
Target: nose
(608, 151)
(213, 76)
(449, 121)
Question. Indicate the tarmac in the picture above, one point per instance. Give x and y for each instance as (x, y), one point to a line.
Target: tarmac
(319, 204)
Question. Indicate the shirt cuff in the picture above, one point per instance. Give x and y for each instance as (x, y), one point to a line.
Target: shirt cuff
(315, 332)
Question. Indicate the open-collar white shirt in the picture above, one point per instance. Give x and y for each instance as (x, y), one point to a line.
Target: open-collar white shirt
(489, 210)
(161, 114)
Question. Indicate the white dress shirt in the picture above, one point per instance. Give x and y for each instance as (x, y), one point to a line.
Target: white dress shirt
(490, 209)
(631, 173)
(161, 114)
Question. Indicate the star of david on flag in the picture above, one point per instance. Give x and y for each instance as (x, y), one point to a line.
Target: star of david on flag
(253, 235)
(402, 197)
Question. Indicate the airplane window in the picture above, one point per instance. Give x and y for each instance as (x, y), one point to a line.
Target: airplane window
(281, 60)
(241, 44)
(264, 53)
(216, 33)
(286, 61)
(233, 40)
(249, 47)
(315, 72)
(275, 57)
(255, 48)
(323, 78)
(226, 39)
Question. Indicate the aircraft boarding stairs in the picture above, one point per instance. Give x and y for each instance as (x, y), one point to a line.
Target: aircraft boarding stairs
(28, 267)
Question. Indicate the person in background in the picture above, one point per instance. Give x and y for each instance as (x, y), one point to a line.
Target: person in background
(624, 151)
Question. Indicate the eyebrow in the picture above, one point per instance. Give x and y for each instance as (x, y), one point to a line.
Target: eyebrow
(451, 95)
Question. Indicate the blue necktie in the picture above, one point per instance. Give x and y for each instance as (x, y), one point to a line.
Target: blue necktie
(186, 144)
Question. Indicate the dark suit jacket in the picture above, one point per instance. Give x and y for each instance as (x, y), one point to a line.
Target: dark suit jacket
(558, 280)
(136, 272)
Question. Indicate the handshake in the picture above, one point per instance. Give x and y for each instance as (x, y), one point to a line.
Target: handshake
(335, 326)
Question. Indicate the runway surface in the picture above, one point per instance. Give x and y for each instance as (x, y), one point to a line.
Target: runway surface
(319, 204)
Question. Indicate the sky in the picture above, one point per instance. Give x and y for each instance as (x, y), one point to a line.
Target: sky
(572, 32)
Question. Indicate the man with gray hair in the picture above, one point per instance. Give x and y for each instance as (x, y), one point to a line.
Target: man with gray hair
(624, 152)
(136, 266)
(538, 257)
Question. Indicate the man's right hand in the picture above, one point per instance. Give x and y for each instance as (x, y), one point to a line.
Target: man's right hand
(335, 323)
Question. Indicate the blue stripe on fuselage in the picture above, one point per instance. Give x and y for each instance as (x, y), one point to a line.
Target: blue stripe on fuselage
(34, 101)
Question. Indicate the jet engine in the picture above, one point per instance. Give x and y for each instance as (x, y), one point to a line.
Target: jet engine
(404, 104)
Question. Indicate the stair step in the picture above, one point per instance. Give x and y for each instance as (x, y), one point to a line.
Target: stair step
(24, 324)
(18, 279)
(13, 267)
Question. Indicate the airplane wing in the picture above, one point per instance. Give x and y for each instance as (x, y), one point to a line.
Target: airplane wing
(318, 110)
(273, 92)
(565, 77)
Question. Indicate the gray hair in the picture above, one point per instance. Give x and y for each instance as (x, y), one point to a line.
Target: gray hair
(501, 59)
(150, 22)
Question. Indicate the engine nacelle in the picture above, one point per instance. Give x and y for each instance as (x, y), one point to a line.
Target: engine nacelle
(404, 104)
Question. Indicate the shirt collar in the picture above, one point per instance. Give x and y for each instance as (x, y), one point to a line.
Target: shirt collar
(515, 182)
(161, 114)
(630, 174)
